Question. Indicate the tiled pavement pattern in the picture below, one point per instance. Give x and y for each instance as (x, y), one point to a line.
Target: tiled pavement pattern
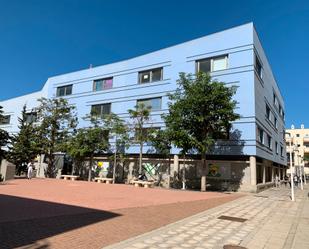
(273, 221)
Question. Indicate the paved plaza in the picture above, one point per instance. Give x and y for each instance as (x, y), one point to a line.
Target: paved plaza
(53, 213)
(265, 220)
(50, 213)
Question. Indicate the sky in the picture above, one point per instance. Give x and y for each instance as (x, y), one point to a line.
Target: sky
(44, 38)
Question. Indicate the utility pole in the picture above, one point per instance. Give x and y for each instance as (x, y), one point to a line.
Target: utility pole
(301, 174)
(291, 168)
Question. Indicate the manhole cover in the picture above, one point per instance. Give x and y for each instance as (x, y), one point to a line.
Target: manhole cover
(261, 196)
(233, 247)
(223, 217)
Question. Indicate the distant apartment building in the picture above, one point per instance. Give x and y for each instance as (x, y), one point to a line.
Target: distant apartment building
(299, 140)
(255, 151)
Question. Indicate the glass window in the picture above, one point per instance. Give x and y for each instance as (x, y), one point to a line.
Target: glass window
(277, 148)
(153, 103)
(100, 110)
(212, 64)
(31, 117)
(276, 122)
(64, 90)
(258, 66)
(219, 63)
(203, 66)
(269, 141)
(281, 150)
(150, 75)
(5, 120)
(260, 135)
(268, 114)
(102, 84)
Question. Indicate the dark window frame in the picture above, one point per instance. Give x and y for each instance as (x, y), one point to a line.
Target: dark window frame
(6, 120)
(210, 61)
(150, 71)
(103, 85)
(147, 99)
(65, 88)
(101, 112)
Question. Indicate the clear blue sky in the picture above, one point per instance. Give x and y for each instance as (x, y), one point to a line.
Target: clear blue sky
(43, 38)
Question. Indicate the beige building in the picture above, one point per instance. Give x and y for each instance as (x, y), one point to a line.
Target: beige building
(299, 139)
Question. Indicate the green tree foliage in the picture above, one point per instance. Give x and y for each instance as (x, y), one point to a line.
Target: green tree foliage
(160, 140)
(140, 117)
(201, 111)
(119, 130)
(87, 142)
(57, 121)
(24, 146)
(4, 137)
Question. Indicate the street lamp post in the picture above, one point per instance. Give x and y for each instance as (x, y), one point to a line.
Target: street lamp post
(291, 168)
(303, 162)
(300, 174)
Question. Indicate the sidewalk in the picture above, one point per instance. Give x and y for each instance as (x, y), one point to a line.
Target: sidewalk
(265, 220)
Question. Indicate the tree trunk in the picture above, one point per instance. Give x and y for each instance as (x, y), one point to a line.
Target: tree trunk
(184, 173)
(90, 168)
(203, 178)
(115, 164)
(140, 158)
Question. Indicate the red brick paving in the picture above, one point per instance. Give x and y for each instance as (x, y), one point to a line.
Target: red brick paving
(53, 213)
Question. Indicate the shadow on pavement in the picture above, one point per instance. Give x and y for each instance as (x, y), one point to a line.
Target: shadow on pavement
(25, 221)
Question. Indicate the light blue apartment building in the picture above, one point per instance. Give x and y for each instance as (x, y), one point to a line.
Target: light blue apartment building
(255, 152)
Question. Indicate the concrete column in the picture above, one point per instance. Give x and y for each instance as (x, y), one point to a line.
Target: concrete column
(130, 173)
(253, 170)
(264, 174)
(272, 173)
(175, 165)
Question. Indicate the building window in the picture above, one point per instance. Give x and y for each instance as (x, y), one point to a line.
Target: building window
(276, 103)
(150, 75)
(30, 117)
(64, 90)
(5, 120)
(100, 110)
(102, 84)
(268, 113)
(297, 135)
(260, 135)
(154, 103)
(276, 122)
(277, 148)
(258, 66)
(280, 110)
(269, 141)
(281, 150)
(212, 64)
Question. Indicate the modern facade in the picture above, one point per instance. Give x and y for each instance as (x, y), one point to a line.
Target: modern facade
(255, 150)
(297, 142)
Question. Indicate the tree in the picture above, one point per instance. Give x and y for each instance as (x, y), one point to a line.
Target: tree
(57, 121)
(161, 141)
(201, 111)
(140, 117)
(119, 130)
(4, 136)
(24, 146)
(86, 142)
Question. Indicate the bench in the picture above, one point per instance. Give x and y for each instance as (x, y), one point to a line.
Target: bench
(69, 177)
(144, 184)
(103, 179)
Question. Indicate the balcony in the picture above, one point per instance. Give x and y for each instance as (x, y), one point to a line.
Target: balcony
(306, 139)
